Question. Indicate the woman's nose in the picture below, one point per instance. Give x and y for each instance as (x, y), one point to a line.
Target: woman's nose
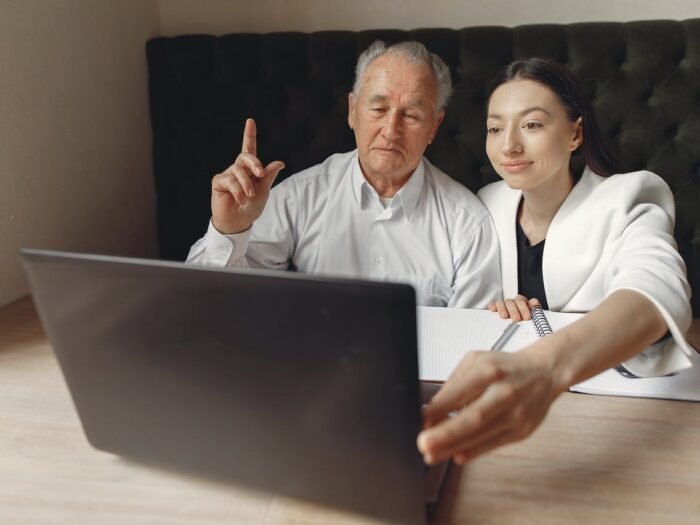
(511, 142)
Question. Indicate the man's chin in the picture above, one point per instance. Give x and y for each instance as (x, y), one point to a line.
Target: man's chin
(389, 170)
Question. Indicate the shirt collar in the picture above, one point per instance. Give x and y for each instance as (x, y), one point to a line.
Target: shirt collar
(410, 193)
(407, 197)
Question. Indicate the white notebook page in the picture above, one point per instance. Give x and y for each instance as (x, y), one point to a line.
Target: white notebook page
(446, 335)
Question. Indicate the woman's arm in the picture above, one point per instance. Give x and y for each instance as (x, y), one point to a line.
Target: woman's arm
(502, 398)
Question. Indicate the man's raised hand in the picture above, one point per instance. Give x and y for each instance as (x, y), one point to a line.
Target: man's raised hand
(239, 194)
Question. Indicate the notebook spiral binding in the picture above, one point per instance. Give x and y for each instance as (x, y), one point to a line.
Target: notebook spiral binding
(540, 321)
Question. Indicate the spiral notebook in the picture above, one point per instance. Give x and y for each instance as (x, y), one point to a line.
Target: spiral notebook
(542, 326)
(446, 335)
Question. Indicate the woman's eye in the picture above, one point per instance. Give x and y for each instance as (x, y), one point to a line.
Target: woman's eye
(532, 125)
(493, 130)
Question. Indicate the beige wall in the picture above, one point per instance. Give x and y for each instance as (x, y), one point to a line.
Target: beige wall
(224, 16)
(75, 139)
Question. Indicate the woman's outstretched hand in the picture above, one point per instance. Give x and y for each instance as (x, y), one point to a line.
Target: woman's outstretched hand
(497, 398)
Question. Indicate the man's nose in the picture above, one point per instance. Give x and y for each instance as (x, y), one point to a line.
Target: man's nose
(392, 125)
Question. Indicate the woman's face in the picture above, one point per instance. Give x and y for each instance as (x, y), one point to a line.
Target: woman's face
(529, 136)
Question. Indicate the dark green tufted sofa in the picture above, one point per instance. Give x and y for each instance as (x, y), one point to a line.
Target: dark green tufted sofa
(644, 79)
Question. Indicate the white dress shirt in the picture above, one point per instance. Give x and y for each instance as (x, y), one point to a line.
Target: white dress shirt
(611, 233)
(434, 234)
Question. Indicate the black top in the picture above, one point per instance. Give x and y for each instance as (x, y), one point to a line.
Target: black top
(530, 280)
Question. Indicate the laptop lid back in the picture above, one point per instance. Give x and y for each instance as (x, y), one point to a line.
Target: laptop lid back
(292, 384)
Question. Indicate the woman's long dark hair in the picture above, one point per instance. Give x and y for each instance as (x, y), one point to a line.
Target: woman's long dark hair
(567, 86)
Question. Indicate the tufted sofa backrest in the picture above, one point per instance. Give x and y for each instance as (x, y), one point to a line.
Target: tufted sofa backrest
(643, 78)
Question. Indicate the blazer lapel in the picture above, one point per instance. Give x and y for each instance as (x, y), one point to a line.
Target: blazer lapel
(506, 218)
(565, 261)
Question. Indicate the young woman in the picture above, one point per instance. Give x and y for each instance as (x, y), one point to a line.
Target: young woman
(576, 240)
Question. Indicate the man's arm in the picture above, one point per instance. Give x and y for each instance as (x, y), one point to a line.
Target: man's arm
(477, 280)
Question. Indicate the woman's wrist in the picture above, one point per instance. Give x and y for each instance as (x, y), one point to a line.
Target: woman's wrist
(554, 353)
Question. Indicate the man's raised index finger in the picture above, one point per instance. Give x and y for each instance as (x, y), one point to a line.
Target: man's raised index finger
(250, 138)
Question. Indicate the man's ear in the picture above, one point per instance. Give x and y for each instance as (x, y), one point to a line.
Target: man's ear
(577, 139)
(438, 121)
(351, 110)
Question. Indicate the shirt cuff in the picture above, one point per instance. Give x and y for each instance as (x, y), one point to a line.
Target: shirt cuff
(226, 250)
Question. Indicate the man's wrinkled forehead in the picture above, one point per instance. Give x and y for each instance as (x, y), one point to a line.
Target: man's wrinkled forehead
(396, 72)
(411, 102)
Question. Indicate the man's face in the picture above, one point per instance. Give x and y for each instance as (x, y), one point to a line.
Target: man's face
(393, 116)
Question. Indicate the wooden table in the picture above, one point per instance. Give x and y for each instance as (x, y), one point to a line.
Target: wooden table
(594, 460)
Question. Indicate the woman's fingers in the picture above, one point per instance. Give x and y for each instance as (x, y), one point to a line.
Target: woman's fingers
(523, 306)
(465, 384)
(473, 421)
(502, 310)
(517, 308)
(500, 398)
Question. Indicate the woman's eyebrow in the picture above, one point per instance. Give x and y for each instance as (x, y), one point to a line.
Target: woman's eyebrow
(534, 108)
(523, 112)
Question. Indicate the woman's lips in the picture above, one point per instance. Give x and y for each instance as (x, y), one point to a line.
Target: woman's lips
(516, 167)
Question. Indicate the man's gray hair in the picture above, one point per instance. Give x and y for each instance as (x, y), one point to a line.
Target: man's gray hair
(416, 53)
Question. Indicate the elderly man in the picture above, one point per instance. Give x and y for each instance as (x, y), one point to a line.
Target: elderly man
(380, 212)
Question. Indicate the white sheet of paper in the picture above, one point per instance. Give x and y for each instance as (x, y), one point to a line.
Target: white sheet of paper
(446, 335)
(683, 385)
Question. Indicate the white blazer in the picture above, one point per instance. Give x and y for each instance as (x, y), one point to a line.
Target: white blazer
(611, 233)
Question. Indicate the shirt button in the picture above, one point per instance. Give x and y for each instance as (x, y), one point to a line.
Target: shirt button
(376, 262)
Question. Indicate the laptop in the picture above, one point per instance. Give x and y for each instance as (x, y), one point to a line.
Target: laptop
(297, 385)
